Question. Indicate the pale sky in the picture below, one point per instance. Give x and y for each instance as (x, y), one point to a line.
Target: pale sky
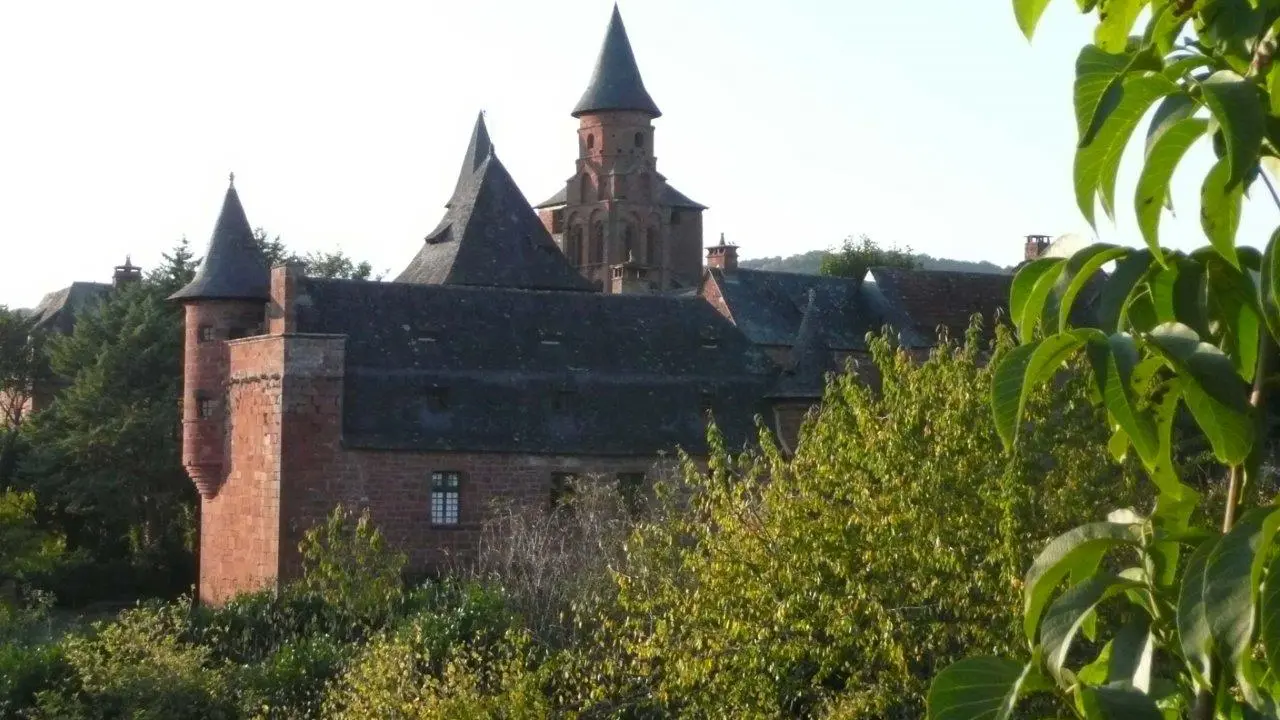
(931, 124)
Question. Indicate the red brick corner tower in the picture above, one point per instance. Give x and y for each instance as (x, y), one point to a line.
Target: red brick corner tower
(225, 300)
(617, 208)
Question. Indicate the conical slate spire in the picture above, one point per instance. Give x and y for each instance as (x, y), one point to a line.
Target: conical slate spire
(810, 356)
(478, 150)
(491, 237)
(616, 83)
(233, 267)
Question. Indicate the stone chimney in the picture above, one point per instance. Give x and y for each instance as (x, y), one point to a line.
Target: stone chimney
(629, 277)
(1035, 247)
(723, 256)
(126, 273)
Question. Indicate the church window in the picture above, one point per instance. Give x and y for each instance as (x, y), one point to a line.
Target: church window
(585, 190)
(573, 248)
(646, 187)
(675, 217)
(639, 140)
(652, 253)
(597, 242)
(205, 333)
(591, 141)
(602, 189)
(628, 242)
(557, 221)
(445, 495)
(620, 186)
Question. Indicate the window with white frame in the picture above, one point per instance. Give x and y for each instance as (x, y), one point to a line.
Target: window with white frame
(444, 497)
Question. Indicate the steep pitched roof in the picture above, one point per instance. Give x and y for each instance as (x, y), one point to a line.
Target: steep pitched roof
(933, 299)
(769, 306)
(479, 149)
(57, 311)
(233, 267)
(615, 83)
(490, 236)
(811, 359)
(449, 368)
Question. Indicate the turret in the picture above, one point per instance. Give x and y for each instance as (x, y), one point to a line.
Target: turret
(225, 300)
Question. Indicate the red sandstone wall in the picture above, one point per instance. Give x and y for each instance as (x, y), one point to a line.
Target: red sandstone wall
(239, 527)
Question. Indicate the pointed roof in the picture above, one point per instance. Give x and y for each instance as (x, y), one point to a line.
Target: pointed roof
(616, 83)
(233, 267)
(811, 360)
(478, 149)
(491, 237)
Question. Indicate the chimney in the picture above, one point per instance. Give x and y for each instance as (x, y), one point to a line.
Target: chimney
(629, 278)
(723, 256)
(126, 273)
(1035, 247)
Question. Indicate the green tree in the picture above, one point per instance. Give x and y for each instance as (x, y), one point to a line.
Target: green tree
(893, 540)
(1184, 597)
(22, 369)
(334, 264)
(853, 257)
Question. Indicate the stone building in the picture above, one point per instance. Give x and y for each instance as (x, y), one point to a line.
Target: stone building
(508, 357)
(617, 208)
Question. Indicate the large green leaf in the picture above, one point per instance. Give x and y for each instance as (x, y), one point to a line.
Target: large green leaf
(1062, 620)
(1131, 654)
(1233, 306)
(1031, 287)
(1119, 288)
(1220, 205)
(1166, 26)
(1097, 164)
(1113, 359)
(1078, 272)
(1020, 372)
(1118, 702)
(1232, 575)
(1028, 13)
(1187, 295)
(1193, 625)
(1270, 613)
(1153, 184)
(1118, 17)
(977, 688)
(1237, 105)
(1214, 392)
(1080, 545)
(1270, 289)
(1097, 89)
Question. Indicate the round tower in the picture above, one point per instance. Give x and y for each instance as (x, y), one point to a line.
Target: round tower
(225, 300)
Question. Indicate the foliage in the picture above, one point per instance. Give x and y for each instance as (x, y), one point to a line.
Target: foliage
(22, 369)
(334, 264)
(347, 565)
(853, 258)
(810, 263)
(1185, 608)
(890, 544)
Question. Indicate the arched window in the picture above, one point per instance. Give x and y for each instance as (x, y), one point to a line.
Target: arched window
(640, 140)
(591, 141)
(585, 190)
(602, 188)
(646, 187)
(652, 253)
(620, 186)
(628, 242)
(573, 248)
(597, 243)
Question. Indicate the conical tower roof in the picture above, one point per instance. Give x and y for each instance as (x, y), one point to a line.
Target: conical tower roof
(478, 150)
(616, 83)
(233, 267)
(491, 237)
(806, 374)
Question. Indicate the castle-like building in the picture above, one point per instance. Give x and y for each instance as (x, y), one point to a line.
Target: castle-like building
(517, 350)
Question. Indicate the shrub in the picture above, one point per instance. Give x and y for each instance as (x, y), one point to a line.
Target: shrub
(346, 564)
(290, 682)
(26, 670)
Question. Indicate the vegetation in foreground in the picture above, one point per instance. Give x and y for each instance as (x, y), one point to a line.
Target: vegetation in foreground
(832, 584)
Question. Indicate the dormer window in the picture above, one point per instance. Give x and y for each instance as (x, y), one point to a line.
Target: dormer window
(438, 399)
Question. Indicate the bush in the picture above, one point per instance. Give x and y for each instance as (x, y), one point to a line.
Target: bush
(27, 669)
(346, 565)
(290, 682)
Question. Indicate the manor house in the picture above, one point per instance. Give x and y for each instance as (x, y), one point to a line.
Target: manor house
(518, 349)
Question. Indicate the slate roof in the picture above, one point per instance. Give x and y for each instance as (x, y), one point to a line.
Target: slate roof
(478, 149)
(811, 359)
(668, 197)
(490, 236)
(768, 307)
(615, 83)
(233, 267)
(451, 368)
(930, 299)
(57, 311)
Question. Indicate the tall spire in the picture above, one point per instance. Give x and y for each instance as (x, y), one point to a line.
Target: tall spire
(233, 267)
(616, 83)
(478, 150)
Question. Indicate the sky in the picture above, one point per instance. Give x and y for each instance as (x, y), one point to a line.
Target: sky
(930, 124)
